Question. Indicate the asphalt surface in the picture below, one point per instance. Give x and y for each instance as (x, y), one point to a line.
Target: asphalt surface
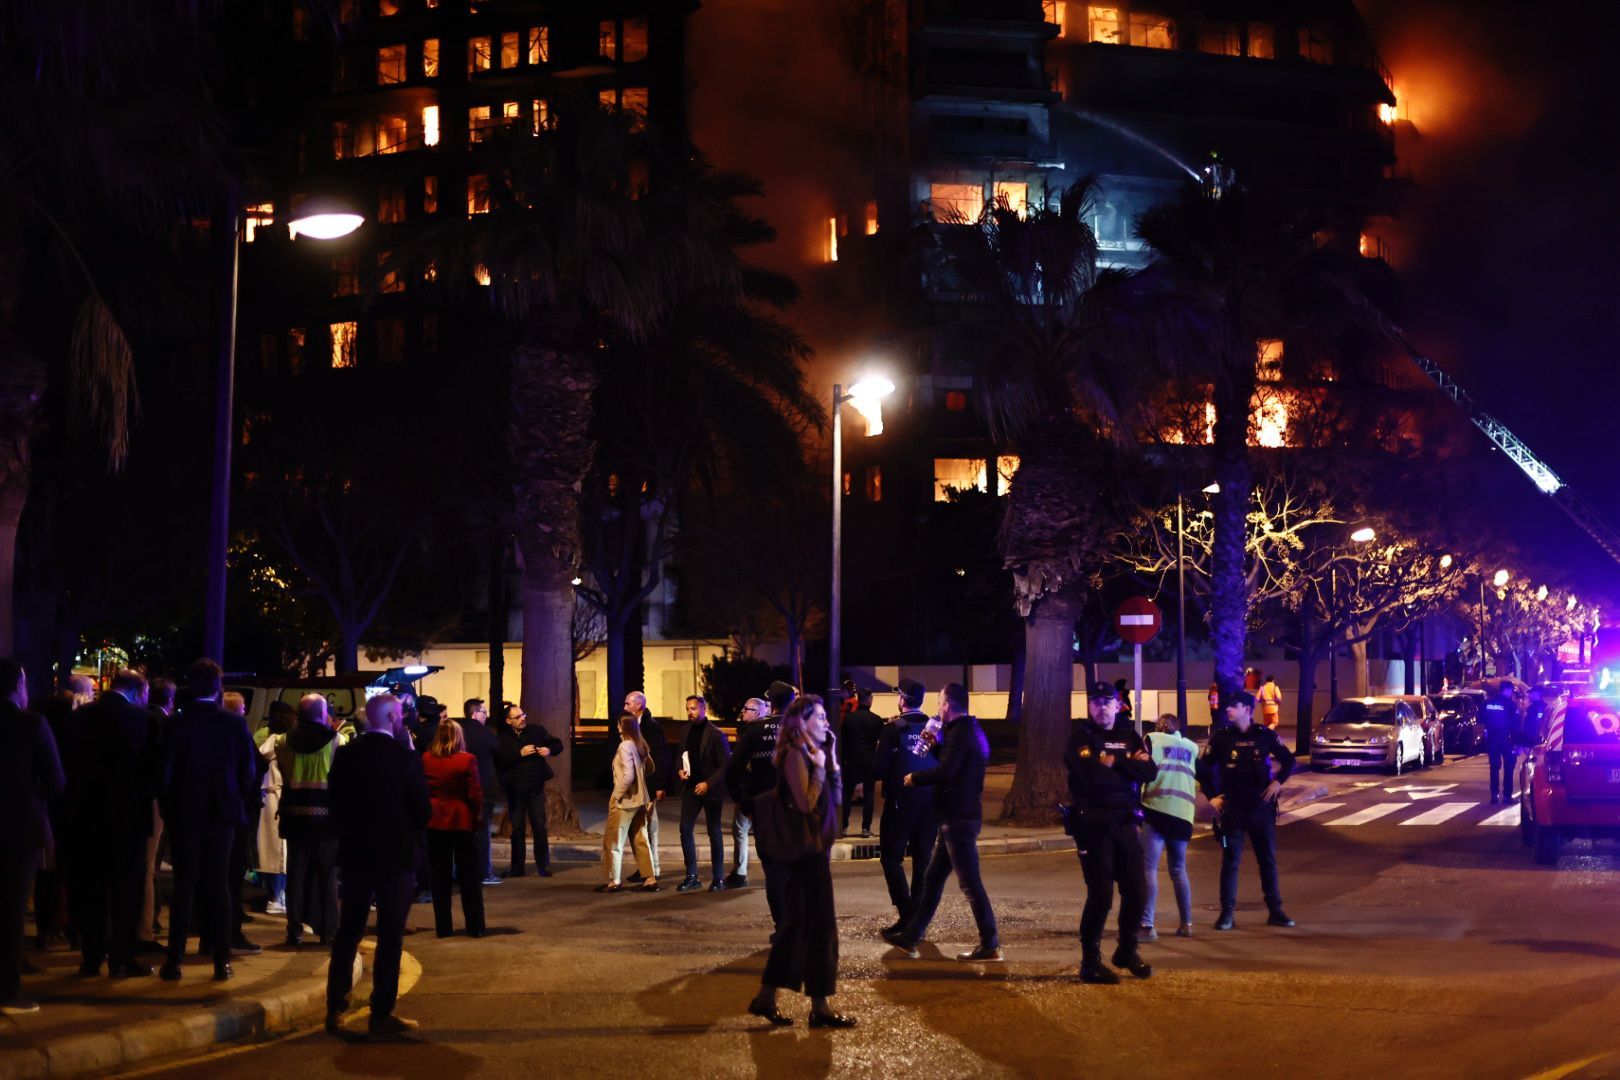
(1428, 945)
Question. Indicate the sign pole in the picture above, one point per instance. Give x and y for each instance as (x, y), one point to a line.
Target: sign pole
(1137, 715)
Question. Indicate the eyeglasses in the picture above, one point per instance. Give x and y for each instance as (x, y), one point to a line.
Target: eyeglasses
(749, 708)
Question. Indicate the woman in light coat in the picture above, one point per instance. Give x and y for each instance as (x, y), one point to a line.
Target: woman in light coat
(627, 809)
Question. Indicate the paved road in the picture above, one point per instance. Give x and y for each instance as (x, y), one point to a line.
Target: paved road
(1429, 945)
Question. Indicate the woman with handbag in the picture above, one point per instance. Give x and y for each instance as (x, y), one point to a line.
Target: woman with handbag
(794, 826)
(627, 809)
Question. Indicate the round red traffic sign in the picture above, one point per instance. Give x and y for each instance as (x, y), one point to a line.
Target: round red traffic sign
(1138, 620)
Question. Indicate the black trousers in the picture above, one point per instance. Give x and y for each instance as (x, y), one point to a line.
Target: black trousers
(906, 829)
(775, 882)
(106, 887)
(526, 808)
(243, 842)
(454, 853)
(1502, 758)
(50, 911)
(712, 812)
(957, 852)
(1258, 826)
(393, 892)
(1110, 854)
(854, 778)
(17, 869)
(202, 861)
(312, 886)
(804, 952)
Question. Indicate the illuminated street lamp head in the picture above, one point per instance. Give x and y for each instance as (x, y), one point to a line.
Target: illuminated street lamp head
(324, 218)
(1500, 579)
(1363, 535)
(1569, 605)
(1445, 562)
(1213, 489)
(1541, 593)
(866, 397)
(871, 386)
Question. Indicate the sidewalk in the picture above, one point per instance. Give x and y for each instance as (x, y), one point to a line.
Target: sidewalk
(95, 1025)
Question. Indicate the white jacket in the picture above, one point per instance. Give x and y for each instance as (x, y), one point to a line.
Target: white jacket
(629, 778)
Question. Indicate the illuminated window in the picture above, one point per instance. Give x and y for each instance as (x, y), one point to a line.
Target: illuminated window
(430, 272)
(871, 219)
(477, 55)
(608, 99)
(633, 100)
(1220, 38)
(1315, 45)
(430, 58)
(255, 218)
(1151, 31)
(509, 49)
(956, 401)
(849, 482)
(295, 351)
(481, 274)
(1262, 40)
(1102, 25)
(342, 145)
(511, 110)
(1268, 360)
(430, 125)
(391, 204)
(478, 123)
(389, 279)
(539, 44)
(872, 483)
(1055, 11)
(345, 276)
(1006, 469)
(607, 40)
(540, 114)
(478, 194)
(385, 8)
(635, 41)
(390, 341)
(1271, 421)
(956, 202)
(390, 65)
(832, 239)
(1014, 195)
(958, 474)
(392, 134)
(343, 339)
(1388, 113)
(430, 334)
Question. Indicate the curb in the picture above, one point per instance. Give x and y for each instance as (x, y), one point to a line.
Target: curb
(132, 1044)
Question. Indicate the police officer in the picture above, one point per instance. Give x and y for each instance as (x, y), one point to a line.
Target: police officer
(907, 824)
(1236, 776)
(1502, 720)
(751, 772)
(1106, 762)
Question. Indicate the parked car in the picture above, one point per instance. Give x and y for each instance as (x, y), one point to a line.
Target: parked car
(1459, 715)
(1570, 786)
(1434, 730)
(1381, 731)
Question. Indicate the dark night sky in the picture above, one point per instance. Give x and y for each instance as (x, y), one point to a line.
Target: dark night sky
(1509, 245)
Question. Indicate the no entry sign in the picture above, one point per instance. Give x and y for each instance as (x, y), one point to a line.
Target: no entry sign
(1138, 620)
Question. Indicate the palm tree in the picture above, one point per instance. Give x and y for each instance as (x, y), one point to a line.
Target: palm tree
(1057, 355)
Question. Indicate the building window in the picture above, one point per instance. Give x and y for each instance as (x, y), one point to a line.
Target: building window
(1006, 469)
(345, 277)
(871, 219)
(295, 351)
(430, 334)
(255, 218)
(539, 44)
(1014, 195)
(1102, 25)
(430, 194)
(872, 483)
(348, 11)
(343, 340)
(390, 65)
(1315, 45)
(386, 8)
(478, 124)
(958, 474)
(540, 114)
(430, 58)
(1268, 362)
(1055, 12)
(300, 22)
(633, 100)
(481, 274)
(392, 134)
(477, 194)
(342, 146)
(430, 125)
(956, 203)
(389, 279)
(607, 40)
(511, 111)
(608, 99)
(390, 341)
(1150, 31)
(1220, 38)
(832, 239)
(509, 49)
(635, 41)
(1262, 41)
(477, 55)
(391, 204)
(956, 401)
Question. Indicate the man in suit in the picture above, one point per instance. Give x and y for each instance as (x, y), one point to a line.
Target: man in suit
(481, 744)
(858, 744)
(703, 789)
(663, 778)
(110, 756)
(160, 704)
(30, 777)
(379, 799)
(209, 782)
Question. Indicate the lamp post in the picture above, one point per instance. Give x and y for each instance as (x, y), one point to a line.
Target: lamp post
(322, 219)
(1363, 535)
(867, 396)
(1500, 580)
(1181, 607)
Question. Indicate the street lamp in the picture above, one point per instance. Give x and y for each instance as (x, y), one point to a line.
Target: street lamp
(1181, 606)
(866, 396)
(1363, 535)
(319, 218)
(1499, 579)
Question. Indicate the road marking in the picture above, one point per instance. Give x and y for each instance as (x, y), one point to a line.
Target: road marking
(1441, 814)
(1371, 813)
(1421, 791)
(1510, 816)
(1309, 810)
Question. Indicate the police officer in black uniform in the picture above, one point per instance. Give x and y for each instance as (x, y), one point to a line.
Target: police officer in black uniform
(1107, 762)
(1502, 719)
(907, 825)
(1236, 776)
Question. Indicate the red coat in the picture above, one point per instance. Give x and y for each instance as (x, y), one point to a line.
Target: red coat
(458, 799)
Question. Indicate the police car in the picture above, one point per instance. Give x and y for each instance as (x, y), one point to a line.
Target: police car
(1570, 783)
(1379, 731)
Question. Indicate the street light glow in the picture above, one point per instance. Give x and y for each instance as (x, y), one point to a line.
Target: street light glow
(321, 226)
(1570, 604)
(1213, 489)
(1541, 593)
(866, 397)
(1500, 579)
(1445, 562)
(1363, 535)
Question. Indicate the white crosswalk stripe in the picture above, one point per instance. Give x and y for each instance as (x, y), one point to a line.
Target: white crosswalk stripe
(1371, 813)
(1309, 810)
(1509, 816)
(1441, 814)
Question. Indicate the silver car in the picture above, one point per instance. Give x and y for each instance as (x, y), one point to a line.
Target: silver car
(1358, 732)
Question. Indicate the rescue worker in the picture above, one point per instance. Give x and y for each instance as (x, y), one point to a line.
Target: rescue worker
(1270, 698)
(907, 825)
(1214, 706)
(1502, 719)
(1106, 762)
(1236, 775)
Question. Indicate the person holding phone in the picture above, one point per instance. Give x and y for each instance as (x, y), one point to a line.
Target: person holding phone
(524, 770)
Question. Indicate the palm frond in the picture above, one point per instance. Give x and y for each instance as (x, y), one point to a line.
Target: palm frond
(102, 377)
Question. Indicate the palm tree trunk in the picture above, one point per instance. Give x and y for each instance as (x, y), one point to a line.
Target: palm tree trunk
(1229, 584)
(22, 388)
(1039, 778)
(347, 659)
(497, 623)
